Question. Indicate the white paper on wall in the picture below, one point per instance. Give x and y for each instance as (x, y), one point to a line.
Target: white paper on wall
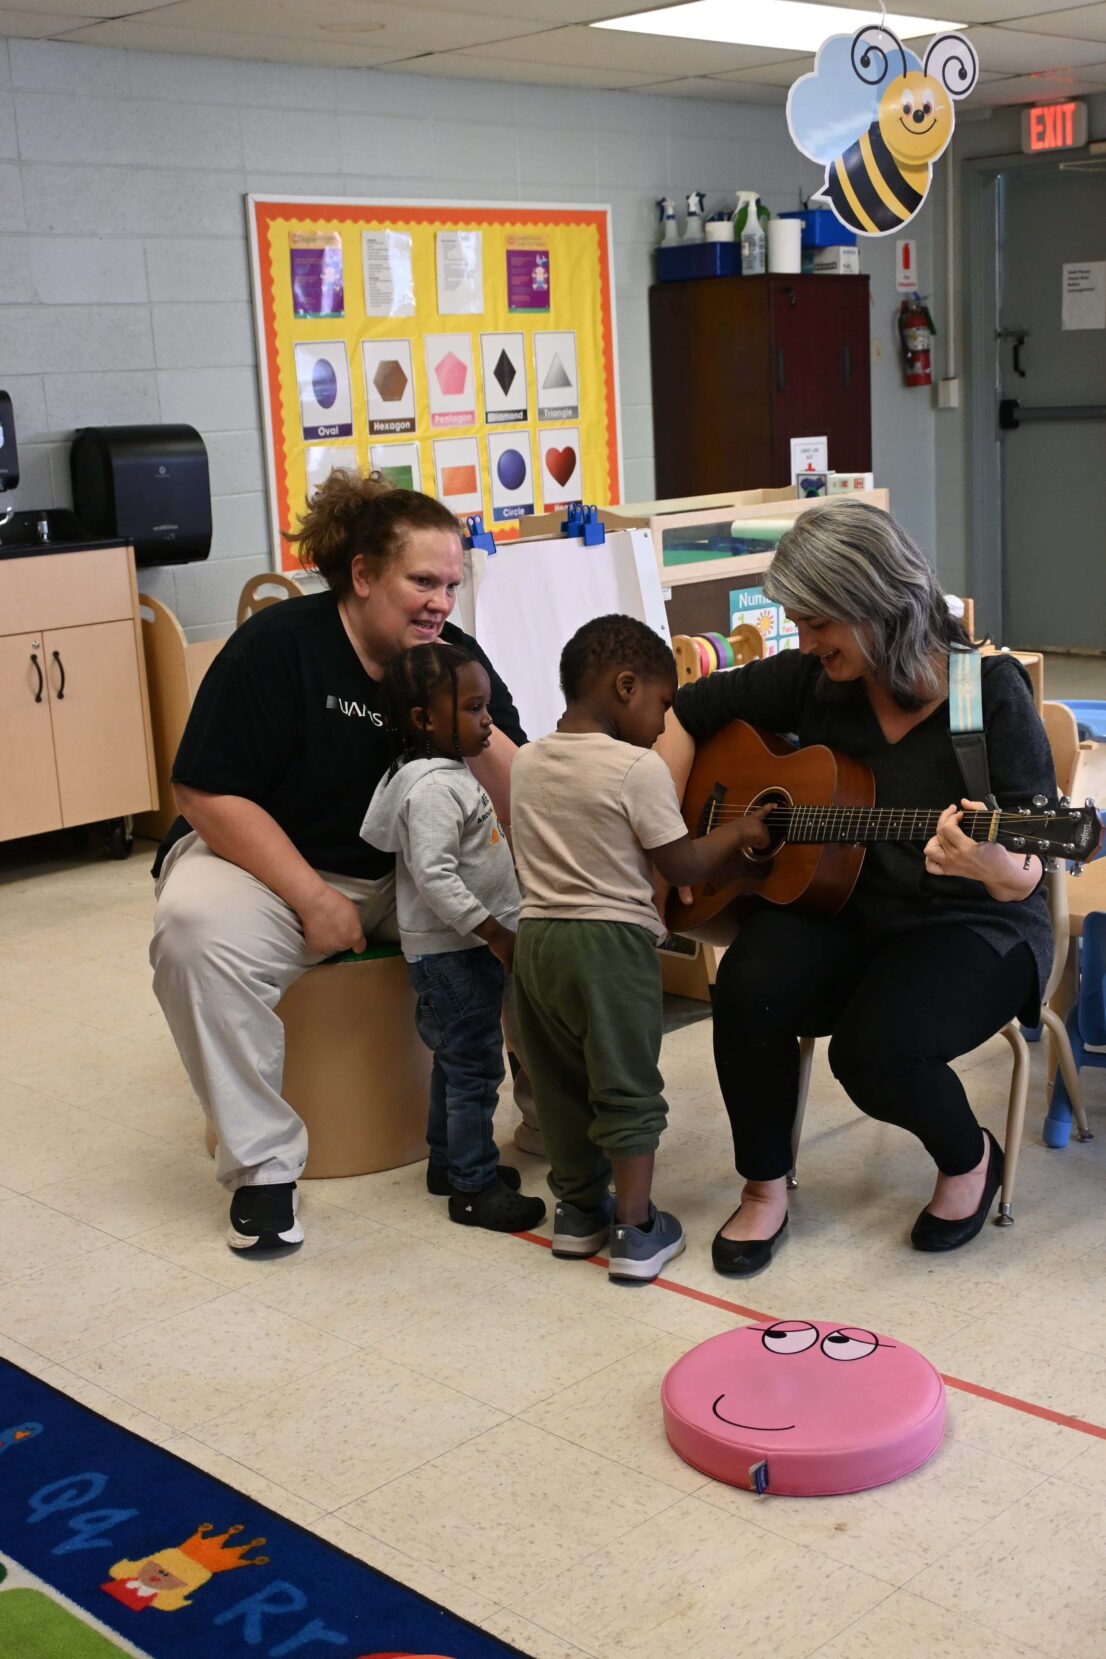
(529, 598)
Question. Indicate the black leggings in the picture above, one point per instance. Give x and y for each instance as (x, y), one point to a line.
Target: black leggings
(900, 1007)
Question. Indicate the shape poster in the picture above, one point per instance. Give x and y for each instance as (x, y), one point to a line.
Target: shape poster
(503, 366)
(511, 471)
(326, 405)
(399, 463)
(561, 471)
(472, 353)
(556, 377)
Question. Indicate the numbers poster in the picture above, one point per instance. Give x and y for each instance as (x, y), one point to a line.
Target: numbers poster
(463, 349)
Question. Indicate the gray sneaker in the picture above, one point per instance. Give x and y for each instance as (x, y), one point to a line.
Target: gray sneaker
(638, 1256)
(581, 1233)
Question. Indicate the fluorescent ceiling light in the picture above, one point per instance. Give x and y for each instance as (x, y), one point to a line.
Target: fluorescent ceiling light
(790, 25)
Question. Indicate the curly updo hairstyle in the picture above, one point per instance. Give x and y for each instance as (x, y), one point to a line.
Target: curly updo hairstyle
(355, 513)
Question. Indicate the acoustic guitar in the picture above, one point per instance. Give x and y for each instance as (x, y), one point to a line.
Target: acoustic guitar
(823, 816)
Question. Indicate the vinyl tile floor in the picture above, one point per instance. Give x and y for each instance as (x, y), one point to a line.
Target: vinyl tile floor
(483, 1422)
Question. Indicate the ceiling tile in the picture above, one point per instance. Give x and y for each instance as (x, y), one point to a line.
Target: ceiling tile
(783, 73)
(559, 12)
(976, 11)
(1032, 89)
(1084, 23)
(140, 36)
(402, 28)
(480, 66)
(25, 25)
(719, 89)
(1015, 52)
(91, 9)
(644, 54)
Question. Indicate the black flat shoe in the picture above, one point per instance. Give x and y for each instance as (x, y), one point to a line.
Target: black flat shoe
(738, 1258)
(932, 1233)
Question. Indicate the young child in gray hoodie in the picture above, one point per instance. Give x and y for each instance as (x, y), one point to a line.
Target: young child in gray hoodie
(457, 901)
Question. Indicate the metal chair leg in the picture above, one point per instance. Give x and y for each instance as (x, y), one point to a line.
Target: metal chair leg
(806, 1064)
(1069, 1071)
(1015, 1121)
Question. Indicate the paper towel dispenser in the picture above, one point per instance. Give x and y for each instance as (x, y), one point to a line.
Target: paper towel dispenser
(147, 484)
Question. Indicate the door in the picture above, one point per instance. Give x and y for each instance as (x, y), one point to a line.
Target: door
(29, 800)
(820, 328)
(96, 710)
(1053, 505)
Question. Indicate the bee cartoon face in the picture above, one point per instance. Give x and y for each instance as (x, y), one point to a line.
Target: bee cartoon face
(915, 118)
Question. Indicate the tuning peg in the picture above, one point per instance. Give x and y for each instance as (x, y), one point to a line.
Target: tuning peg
(1023, 812)
(1018, 843)
(1044, 846)
(1065, 800)
(1040, 801)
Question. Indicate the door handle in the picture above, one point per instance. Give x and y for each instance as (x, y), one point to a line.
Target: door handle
(1019, 345)
(779, 368)
(41, 679)
(61, 670)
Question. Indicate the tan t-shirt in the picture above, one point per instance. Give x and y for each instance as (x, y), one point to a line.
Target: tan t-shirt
(584, 809)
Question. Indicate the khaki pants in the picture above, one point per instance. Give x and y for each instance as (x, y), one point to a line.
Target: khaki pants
(224, 951)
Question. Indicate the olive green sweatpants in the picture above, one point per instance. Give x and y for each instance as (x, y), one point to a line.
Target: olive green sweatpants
(590, 1016)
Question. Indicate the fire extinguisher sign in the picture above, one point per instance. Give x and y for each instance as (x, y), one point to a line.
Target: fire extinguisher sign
(906, 268)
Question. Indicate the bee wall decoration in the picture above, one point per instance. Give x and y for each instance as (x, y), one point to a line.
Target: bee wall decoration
(877, 118)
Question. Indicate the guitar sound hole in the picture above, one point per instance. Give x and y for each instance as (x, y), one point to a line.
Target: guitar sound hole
(772, 798)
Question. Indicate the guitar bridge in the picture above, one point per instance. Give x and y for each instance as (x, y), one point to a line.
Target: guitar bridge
(711, 815)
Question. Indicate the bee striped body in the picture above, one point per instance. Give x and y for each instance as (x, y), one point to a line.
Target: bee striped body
(868, 188)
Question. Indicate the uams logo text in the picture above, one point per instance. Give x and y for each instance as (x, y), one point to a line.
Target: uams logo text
(347, 706)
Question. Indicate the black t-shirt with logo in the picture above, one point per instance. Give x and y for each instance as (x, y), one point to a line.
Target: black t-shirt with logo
(286, 716)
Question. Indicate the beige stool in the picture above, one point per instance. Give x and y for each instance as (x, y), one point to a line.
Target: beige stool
(354, 1067)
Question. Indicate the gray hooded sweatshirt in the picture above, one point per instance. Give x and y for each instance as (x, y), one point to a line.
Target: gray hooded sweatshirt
(453, 865)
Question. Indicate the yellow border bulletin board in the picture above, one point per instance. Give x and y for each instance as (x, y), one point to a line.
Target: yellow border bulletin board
(464, 349)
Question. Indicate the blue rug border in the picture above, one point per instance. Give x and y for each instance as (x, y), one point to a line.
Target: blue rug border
(284, 1520)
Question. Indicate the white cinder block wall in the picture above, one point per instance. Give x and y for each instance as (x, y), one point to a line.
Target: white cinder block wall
(124, 284)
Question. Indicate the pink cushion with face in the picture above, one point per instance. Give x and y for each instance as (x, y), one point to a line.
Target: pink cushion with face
(829, 1408)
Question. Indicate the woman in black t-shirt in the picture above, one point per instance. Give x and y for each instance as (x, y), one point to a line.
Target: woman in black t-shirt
(266, 874)
(937, 948)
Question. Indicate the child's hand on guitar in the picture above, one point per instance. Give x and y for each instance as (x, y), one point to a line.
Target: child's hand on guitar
(752, 829)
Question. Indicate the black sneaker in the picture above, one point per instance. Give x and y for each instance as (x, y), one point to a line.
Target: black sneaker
(437, 1179)
(264, 1218)
(497, 1208)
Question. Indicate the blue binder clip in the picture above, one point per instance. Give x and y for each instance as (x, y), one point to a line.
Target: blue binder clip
(584, 522)
(477, 535)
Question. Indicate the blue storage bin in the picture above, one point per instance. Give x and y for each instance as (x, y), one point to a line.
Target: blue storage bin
(686, 260)
(1090, 715)
(823, 229)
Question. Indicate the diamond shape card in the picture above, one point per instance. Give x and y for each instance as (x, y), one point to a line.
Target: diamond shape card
(320, 460)
(556, 377)
(503, 359)
(561, 476)
(457, 474)
(398, 463)
(511, 470)
(451, 380)
(389, 386)
(326, 402)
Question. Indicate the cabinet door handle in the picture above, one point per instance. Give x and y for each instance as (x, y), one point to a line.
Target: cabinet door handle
(847, 366)
(41, 681)
(779, 368)
(61, 670)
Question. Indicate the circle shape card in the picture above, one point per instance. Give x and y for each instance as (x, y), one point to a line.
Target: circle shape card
(511, 468)
(804, 1408)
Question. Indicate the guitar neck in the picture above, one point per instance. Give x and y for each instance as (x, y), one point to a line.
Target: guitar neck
(820, 825)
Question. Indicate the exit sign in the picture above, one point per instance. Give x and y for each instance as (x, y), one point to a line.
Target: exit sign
(1054, 127)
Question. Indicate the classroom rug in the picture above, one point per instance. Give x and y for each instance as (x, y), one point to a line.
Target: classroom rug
(111, 1546)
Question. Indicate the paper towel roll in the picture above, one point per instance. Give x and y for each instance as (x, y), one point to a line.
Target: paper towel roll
(785, 244)
(719, 230)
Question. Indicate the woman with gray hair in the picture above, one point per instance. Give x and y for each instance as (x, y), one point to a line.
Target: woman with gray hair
(937, 947)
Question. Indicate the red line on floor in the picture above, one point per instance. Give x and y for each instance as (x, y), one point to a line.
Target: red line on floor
(1096, 1430)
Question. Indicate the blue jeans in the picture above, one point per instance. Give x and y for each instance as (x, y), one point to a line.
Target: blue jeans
(458, 1017)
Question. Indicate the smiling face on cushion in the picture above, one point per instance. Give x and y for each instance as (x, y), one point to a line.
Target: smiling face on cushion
(831, 1407)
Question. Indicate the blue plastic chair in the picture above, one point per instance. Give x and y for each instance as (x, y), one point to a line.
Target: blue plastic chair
(1086, 1025)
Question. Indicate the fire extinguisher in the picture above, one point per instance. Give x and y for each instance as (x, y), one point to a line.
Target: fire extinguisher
(916, 332)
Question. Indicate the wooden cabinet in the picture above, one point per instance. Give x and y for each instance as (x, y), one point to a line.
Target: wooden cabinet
(741, 365)
(75, 743)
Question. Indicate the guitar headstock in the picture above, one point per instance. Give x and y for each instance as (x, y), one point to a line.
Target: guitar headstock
(1061, 831)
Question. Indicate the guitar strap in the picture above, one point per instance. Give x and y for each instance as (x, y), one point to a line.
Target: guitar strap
(966, 723)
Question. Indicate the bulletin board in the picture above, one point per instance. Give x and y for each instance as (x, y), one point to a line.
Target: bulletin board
(464, 349)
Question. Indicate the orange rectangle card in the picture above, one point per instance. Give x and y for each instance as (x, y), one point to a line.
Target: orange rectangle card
(459, 481)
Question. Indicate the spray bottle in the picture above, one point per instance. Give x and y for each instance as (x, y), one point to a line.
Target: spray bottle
(693, 230)
(748, 227)
(666, 208)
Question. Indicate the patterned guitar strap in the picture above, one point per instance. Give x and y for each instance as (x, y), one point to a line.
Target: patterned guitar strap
(966, 725)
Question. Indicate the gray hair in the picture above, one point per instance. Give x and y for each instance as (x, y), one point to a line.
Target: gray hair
(850, 562)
